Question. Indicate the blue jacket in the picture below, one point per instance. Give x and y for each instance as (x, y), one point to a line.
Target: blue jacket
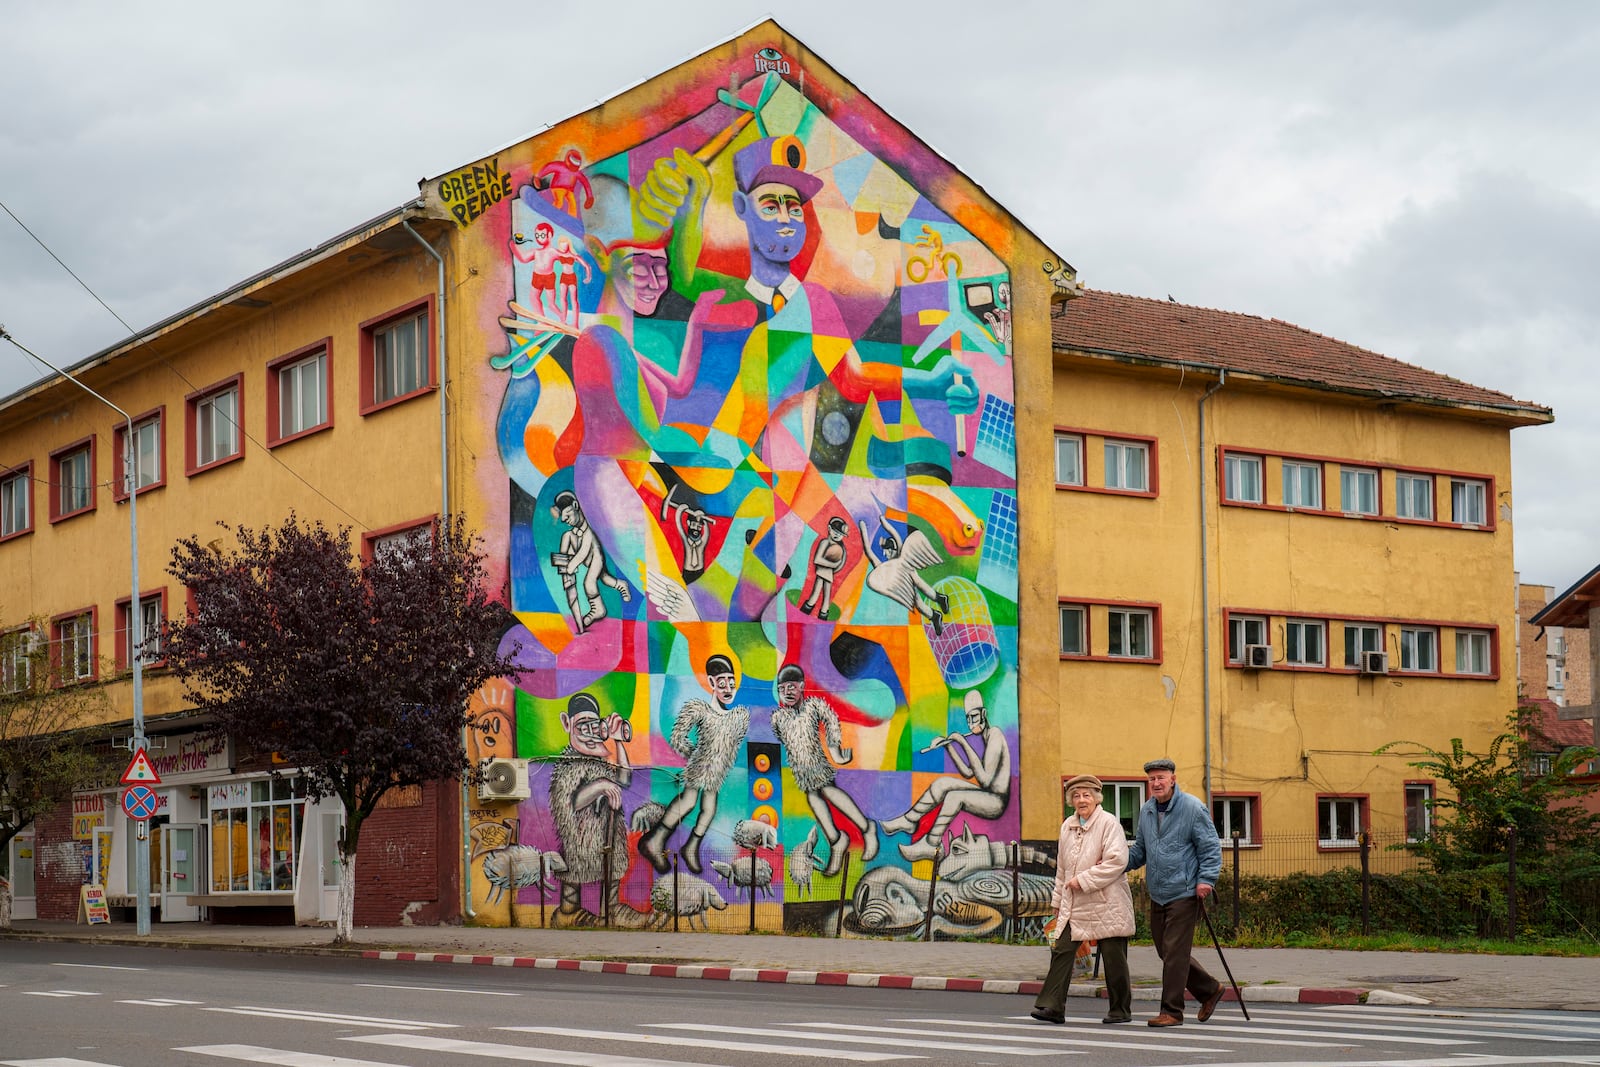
(1181, 848)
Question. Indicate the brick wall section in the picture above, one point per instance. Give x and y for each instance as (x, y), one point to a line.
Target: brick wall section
(1532, 674)
(1580, 683)
(57, 866)
(407, 867)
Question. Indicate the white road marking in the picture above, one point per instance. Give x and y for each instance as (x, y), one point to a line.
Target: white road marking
(706, 1042)
(1435, 1017)
(1462, 1060)
(1332, 1031)
(331, 1017)
(99, 967)
(439, 989)
(867, 1039)
(1039, 1037)
(59, 1061)
(1166, 1039)
(160, 1002)
(281, 1057)
(1452, 1025)
(519, 1052)
(59, 993)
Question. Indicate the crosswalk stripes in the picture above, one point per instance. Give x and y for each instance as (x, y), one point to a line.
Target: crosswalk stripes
(1397, 1037)
(725, 1045)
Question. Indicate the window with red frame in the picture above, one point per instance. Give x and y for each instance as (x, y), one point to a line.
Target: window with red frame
(73, 639)
(16, 501)
(145, 639)
(72, 480)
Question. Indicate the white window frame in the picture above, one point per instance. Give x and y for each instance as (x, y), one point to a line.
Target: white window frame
(1123, 633)
(1123, 800)
(1302, 485)
(75, 648)
(1418, 799)
(1242, 478)
(1245, 630)
(1299, 637)
(1069, 459)
(1413, 496)
(146, 455)
(1469, 502)
(1356, 641)
(1224, 805)
(16, 502)
(16, 660)
(1079, 613)
(1342, 813)
(74, 487)
(293, 383)
(216, 426)
(388, 383)
(1361, 484)
(146, 640)
(1474, 652)
(1419, 649)
(1127, 465)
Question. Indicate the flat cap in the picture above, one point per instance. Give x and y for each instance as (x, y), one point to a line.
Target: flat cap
(1083, 779)
(1162, 764)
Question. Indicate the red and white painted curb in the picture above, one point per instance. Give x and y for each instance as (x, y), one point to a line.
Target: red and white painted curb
(1255, 994)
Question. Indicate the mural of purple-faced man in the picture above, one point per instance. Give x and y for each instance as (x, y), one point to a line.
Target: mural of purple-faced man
(773, 188)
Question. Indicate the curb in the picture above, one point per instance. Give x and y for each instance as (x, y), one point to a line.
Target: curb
(1258, 994)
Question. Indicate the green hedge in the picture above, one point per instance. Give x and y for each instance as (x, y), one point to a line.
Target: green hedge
(1457, 904)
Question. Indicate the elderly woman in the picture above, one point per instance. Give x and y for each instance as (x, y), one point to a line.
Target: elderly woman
(1091, 902)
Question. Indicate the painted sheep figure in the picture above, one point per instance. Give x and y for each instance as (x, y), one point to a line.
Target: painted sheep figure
(753, 833)
(737, 874)
(802, 861)
(517, 867)
(696, 896)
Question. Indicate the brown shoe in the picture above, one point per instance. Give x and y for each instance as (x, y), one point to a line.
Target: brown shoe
(1166, 1020)
(1209, 1005)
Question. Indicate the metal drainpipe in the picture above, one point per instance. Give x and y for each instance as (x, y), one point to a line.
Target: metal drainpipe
(1205, 593)
(444, 513)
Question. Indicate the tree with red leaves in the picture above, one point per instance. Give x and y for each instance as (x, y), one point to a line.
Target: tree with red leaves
(355, 672)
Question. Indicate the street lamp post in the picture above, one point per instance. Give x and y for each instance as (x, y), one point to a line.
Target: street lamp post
(141, 868)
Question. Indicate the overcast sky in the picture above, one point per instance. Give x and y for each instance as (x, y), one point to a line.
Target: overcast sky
(1419, 178)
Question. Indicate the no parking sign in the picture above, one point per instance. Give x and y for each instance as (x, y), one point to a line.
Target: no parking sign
(140, 802)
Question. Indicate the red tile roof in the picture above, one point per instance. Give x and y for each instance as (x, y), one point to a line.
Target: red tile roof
(1548, 726)
(1167, 332)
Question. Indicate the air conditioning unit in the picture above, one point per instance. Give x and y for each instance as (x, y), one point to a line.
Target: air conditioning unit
(1258, 657)
(504, 779)
(1374, 663)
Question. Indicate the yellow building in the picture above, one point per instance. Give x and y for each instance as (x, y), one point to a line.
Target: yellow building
(746, 389)
(1275, 553)
(730, 373)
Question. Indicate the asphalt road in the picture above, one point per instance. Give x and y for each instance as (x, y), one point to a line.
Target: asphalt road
(83, 1005)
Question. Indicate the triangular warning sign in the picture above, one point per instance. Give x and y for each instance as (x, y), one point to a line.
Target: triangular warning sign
(139, 771)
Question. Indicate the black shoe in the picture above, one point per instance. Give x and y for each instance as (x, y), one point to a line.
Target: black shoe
(1057, 1017)
(1109, 1019)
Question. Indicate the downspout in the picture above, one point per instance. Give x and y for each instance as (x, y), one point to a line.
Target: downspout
(444, 514)
(1205, 583)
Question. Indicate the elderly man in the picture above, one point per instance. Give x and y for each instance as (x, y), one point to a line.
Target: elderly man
(1177, 845)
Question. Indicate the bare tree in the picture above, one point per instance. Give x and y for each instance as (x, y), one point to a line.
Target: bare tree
(356, 672)
(47, 746)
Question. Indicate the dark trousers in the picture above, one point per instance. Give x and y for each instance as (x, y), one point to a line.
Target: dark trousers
(1113, 957)
(1172, 928)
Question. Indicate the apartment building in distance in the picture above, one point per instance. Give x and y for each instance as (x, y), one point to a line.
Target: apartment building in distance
(1275, 554)
(1553, 661)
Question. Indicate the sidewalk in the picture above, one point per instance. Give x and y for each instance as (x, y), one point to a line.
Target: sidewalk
(1267, 975)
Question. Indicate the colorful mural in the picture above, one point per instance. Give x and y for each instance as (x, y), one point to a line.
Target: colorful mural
(757, 421)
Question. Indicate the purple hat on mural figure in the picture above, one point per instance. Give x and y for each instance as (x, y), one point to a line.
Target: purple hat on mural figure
(775, 159)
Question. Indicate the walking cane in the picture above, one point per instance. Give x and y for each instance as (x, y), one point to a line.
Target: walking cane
(1205, 912)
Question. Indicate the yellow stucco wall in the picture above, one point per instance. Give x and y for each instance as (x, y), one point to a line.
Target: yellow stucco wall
(368, 472)
(1287, 735)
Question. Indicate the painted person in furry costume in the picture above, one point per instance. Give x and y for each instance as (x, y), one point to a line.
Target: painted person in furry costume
(709, 738)
(797, 723)
(586, 804)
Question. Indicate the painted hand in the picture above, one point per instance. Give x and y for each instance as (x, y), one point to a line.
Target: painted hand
(670, 185)
(949, 380)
